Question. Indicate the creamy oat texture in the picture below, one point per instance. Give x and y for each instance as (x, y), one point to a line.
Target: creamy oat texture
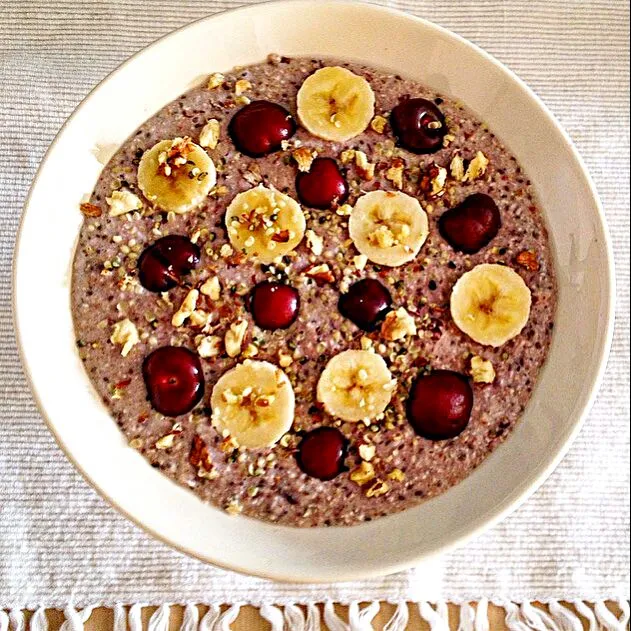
(267, 483)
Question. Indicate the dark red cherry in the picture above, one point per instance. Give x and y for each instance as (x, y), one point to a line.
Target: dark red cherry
(259, 128)
(439, 405)
(321, 453)
(174, 379)
(274, 305)
(365, 303)
(418, 125)
(162, 264)
(472, 224)
(323, 185)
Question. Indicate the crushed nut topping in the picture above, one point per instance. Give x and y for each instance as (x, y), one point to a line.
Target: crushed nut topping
(314, 242)
(482, 371)
(344, 210)
(199, 457)
(367, 452)
(234, 337)
(90, 210)
(360, 261)
(363, 474)
(382, 237)
(284, 360)
(378, 124)
(366, 343)
(437, 181)
(126, 334)
(215, 80)
(304, 157)
(397, 475)
(233, 507)
(175, 156)
(226, 251)
(397, 325)
(209, 346)
(456, 168)
(377, 489)
(241, 86)
(211, 288)
(366, 169)
(209, 136)
(395, 172)
(122, 202)
(166, 442)
(251, 350)
(320, 273)
(186, 308)
(477, 167)
(528, 260)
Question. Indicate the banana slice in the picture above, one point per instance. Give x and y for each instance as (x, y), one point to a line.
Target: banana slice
(388, 227)
(491, 304)
(264, 223)
(176, 175)
(254, 403)
(355, 385)
(335, 104)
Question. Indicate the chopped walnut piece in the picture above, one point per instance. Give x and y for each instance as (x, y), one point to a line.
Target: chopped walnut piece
(199, 456)
(367, 452)
(366, 343)
(234, 337)
(395, 172)
(528, 260)
(477, 167)
(166, 442)
(363, 474)
(186, 308)
(397, 325)
(229, 444)
(378, 124)
(438, 179)
(209, 136)
(360, 261)
(397, 475)
(211, 288)
(122, 202)
(241, 86)
(344, 210)
(284, 360)
(304, 157)
(126, 334)
(456, 168)
(482, 371)
(251, 350)
(233, 507)
(209, 346)
(320, 273)
(378, 488)
(314, 242)
(365, 169)
(90, 210)
(226, 251)
(215, 80)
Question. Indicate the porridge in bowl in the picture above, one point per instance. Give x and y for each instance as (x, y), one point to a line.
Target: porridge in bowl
(313, 292)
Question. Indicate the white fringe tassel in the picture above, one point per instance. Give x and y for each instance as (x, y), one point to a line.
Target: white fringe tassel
(290, 617)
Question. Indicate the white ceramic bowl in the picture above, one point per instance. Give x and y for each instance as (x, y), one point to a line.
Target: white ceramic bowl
(387, 39)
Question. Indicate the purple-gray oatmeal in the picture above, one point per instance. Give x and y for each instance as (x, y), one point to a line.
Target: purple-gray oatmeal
(387, 465)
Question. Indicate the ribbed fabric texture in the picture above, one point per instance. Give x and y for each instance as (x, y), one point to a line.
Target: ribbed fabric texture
(60, 543)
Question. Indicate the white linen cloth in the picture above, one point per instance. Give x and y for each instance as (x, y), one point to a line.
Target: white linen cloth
(61, 544)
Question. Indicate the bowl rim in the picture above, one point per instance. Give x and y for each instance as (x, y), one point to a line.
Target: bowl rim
(509, 504)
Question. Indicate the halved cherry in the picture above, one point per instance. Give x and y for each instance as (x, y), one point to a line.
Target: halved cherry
(274, 305)
(418, 125)
(259, 128)
(321, 453)
(471, 225)
(365, 303)
(174, 379)
(323, 185)
(162, 264)
(439, 405)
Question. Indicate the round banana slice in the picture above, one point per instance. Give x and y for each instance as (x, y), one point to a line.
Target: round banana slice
(355, 385)
(335, 104)
(176, 175)
(491, 304)
(254, 403)
(264, 223)
(388, 227)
